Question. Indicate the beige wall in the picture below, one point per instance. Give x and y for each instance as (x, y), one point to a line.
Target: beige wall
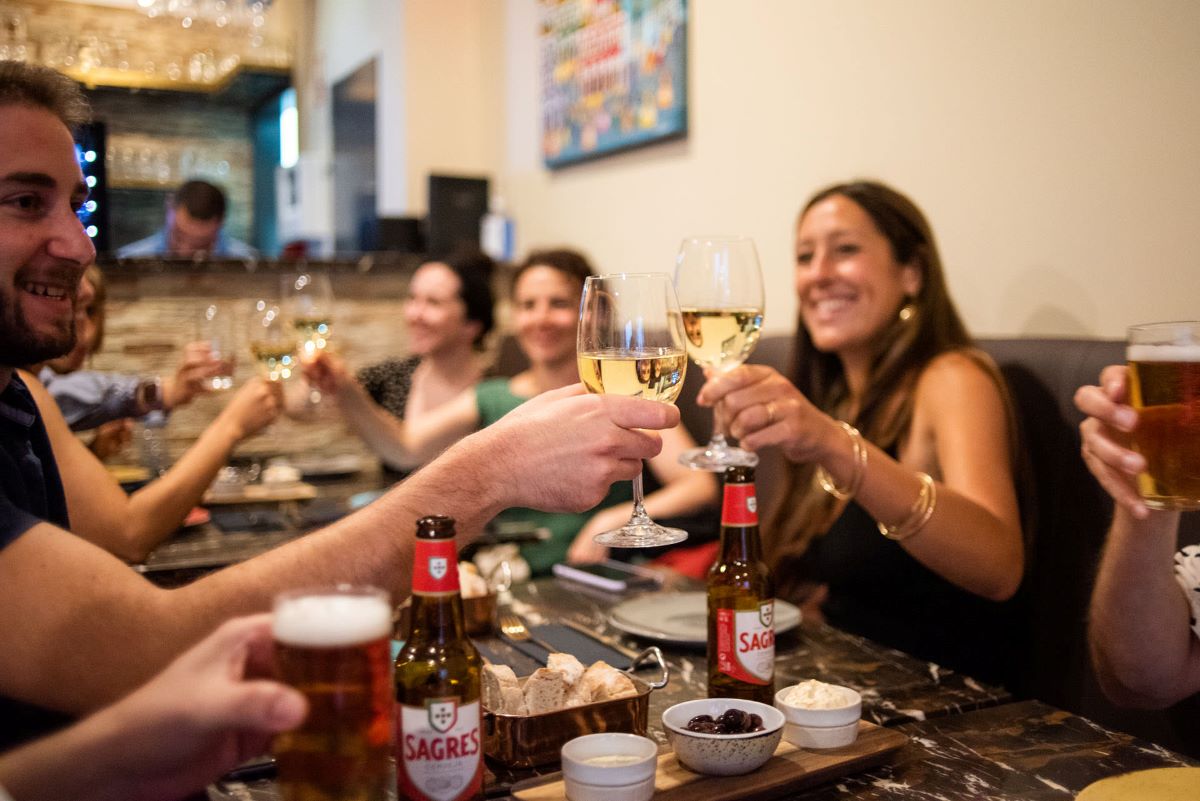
(1054, 145)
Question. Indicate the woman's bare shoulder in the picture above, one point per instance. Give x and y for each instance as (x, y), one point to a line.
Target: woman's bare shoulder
(957, 376)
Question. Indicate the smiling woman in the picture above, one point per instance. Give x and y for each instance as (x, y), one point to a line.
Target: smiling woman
(897, 523)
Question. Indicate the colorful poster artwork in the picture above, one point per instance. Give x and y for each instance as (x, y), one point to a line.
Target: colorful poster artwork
(614, 76)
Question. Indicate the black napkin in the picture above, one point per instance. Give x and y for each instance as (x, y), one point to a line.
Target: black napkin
(565, 639)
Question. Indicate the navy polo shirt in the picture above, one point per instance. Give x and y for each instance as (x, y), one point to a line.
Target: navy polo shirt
(31, 490)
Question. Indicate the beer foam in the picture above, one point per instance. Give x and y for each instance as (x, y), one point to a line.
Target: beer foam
(331, 621)
(1162, 353)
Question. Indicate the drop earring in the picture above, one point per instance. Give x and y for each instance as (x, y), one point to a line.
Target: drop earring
(907, 311)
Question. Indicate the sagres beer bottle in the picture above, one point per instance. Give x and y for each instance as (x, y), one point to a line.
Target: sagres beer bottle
(741, 601)
(439, 749)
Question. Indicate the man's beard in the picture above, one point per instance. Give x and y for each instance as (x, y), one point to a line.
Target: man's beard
(20, 346)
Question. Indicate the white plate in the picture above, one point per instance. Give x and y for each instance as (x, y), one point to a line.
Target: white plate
(681, 617)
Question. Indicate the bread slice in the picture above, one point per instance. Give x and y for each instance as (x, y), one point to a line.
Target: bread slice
(514, 701)
(545, 691)
(499, 682)
(571, 668)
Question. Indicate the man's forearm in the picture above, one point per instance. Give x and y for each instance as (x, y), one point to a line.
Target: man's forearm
(1139, 633)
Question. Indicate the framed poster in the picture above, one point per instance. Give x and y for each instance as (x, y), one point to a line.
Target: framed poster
(614, 76)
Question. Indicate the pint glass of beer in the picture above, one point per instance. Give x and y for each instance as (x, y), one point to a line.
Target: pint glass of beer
(1164, 387)
(334, 645)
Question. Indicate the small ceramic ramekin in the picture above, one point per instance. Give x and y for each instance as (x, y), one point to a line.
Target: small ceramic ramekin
(611, 766)
(821, 728)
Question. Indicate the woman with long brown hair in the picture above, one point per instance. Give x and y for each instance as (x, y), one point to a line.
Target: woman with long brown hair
(900, 520)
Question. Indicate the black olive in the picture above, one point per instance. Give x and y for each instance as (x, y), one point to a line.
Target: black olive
(703, 726)
(756, 723)
(734, 721)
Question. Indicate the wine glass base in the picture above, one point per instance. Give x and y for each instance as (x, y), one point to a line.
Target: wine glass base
(640, 535)
(716, 459)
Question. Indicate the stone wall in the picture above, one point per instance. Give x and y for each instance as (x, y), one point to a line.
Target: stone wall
(153, 313)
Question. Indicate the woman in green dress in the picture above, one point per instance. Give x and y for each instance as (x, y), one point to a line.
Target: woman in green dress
(546, 291)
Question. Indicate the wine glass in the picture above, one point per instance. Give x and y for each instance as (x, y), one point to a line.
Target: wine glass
(309, 301)
(721, 298)
(630, 342)
(272, 344)
(216, 328)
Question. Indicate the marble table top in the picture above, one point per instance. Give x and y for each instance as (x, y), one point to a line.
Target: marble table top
(1027, 750)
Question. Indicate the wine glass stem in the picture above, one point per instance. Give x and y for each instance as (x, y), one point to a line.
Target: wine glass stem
(639, 516)
(717, 440)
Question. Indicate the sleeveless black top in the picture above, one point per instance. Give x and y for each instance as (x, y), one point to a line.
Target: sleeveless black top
(877, 590)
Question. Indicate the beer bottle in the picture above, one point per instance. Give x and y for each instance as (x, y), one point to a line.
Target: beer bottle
(439, 752)
(741, 602)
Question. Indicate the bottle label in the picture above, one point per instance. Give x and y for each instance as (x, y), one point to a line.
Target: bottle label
(740, 507)
(435, 568)
(746, 643)
(440, 750)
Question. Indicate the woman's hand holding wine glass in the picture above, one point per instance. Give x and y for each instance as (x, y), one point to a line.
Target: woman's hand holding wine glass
(720, 289)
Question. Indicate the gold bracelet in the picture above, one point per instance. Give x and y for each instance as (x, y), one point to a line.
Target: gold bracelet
(860, 467)
(918, 516)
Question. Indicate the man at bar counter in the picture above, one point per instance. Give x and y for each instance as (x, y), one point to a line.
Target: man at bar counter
(78, 628)
(195, 227)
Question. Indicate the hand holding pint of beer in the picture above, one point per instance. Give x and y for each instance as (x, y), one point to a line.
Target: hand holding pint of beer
(333, 645)
(1164, 388)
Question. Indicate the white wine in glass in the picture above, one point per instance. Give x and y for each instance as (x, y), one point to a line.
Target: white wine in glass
(719, 283)
(271, 344)
(308, 298)
(631, 343)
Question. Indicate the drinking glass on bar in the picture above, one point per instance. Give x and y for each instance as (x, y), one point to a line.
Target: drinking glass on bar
(1164, 388)
(720, 290)
(333, 644)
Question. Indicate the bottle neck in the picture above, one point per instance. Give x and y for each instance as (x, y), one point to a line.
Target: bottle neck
(740, 544)
(437, 618)
(739, 523)
(437, 612)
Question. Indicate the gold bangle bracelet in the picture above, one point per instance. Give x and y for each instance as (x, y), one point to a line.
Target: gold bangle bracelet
(860, 467)
(918, 516)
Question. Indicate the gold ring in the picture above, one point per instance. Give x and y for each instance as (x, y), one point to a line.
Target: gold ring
(770, 413)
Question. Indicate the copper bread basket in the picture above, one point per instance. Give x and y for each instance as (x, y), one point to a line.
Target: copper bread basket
(526, 741)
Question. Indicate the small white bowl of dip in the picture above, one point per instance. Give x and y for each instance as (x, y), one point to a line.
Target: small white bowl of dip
(819, 715)
(611, 766)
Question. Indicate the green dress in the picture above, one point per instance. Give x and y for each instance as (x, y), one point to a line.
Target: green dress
(495, 400)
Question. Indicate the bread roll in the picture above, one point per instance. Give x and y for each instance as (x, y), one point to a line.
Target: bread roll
(611, 684)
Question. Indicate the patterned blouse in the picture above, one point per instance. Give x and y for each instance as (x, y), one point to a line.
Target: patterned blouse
(389, 382)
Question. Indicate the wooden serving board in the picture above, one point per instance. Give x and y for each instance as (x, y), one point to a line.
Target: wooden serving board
(790, 769)
(263, 493)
